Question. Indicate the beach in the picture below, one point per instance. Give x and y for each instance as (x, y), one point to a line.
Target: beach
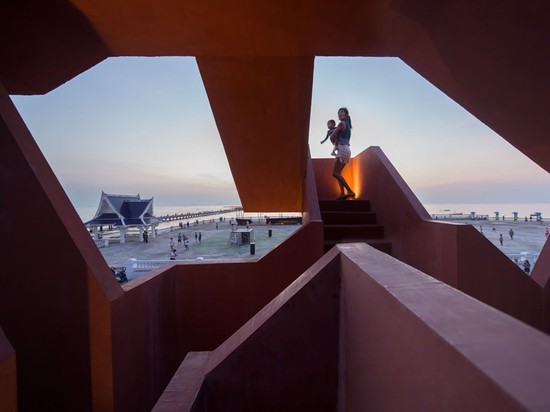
(529, 237)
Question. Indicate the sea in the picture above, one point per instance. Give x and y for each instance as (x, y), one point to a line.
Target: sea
(505, 209)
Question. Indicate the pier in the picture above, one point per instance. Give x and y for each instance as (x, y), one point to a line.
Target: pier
(194, 215)
(459, 216)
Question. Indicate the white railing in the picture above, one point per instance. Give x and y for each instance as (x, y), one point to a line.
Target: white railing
(458, 216)
(519, 258)
(102, 243)
(135, 265)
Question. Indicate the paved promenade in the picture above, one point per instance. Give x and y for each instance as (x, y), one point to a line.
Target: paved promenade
(528, 236)
(214, 244)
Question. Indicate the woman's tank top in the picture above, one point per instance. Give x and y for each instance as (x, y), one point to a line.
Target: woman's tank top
(345, 135)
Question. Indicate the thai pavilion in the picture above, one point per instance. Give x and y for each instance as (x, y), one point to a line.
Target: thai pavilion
(124, 212)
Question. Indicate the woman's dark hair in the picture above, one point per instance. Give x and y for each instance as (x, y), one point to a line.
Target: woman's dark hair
(346, 111)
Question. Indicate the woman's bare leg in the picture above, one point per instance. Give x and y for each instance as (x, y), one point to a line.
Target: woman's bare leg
(337, 174)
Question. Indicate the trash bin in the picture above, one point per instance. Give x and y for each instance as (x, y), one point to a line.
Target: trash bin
(252, 248)
(269, 233)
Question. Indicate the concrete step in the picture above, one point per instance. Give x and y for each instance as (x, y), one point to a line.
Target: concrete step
(345, 205)
(332, 218)
(363, 231)
(380, 244)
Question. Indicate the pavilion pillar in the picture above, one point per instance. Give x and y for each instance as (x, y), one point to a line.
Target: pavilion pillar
(122, 235)
(154, 231)
(95, 231)
(141, 234)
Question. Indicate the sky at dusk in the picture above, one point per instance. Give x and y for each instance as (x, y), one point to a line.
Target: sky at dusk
(134, 125)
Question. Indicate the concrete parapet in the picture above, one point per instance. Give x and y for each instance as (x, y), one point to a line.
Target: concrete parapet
(186, 307)
(454, 253)
(385, 336)
(45, 302)
(182, 390)
(411, 342)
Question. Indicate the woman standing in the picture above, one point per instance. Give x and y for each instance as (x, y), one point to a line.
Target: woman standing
(343, 135)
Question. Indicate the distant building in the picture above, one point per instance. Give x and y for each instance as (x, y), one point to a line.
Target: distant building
(123, 212)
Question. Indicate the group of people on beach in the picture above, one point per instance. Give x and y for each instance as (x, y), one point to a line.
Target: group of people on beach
(340, 136)
(183, 240)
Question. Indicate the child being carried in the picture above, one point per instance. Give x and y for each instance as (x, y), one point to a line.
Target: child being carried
(331, 125)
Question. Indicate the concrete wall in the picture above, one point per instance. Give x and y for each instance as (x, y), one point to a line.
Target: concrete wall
(286, 356)
(8, 375)
(327, 186)
(453, 253)
(194, 307)
(185, 307)
(412, 343)
(83, 342)
(263, 107)
(64, 320)
(368, 332)
(46, 290)
(310, 201)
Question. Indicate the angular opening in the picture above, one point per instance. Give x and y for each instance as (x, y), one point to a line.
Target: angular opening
(144, 127)
(452, 161)
(132, 125)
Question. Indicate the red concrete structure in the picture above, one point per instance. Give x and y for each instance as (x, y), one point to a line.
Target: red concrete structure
(327, 329)
(76, 340)
(8, 375)
(453, 253)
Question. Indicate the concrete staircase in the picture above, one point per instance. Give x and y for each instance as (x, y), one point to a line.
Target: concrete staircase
(352, 221)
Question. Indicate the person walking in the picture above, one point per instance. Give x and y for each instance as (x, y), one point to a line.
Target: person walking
(501, 240)
(343, 136)
(200, 237)
(511, 232)
(526, 266)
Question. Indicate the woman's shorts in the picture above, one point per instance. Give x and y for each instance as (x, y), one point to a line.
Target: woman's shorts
(344, 153)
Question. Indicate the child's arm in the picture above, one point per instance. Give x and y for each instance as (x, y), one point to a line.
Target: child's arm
(327, 136)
